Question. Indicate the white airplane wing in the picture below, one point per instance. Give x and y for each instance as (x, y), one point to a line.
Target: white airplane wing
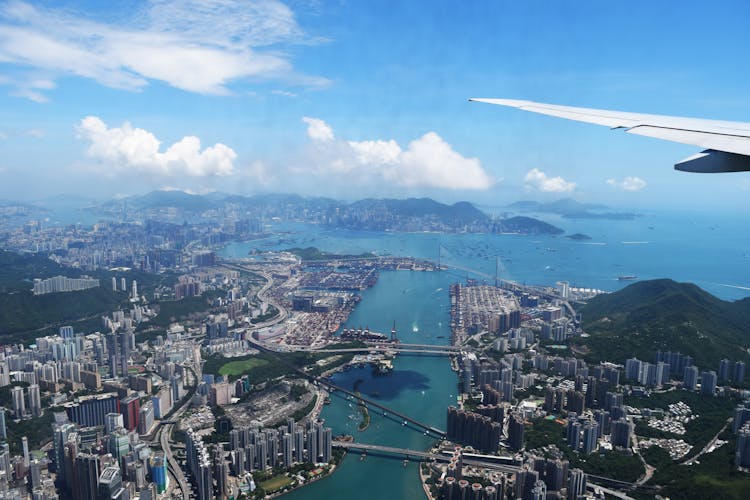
(726, 144)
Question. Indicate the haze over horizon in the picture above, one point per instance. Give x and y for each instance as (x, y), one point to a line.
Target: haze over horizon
(358, 100)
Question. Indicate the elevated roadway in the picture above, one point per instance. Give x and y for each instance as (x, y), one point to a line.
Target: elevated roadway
(367, 401)
(485, 464)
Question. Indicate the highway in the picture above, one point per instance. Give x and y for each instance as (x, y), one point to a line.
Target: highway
(283, 313)
(164, 433)
(508, 468)
(172, 465)
(437, 352)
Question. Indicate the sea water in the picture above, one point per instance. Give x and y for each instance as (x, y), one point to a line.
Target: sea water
(711, 251)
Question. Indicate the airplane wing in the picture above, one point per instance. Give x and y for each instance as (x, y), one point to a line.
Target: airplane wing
(726, 144)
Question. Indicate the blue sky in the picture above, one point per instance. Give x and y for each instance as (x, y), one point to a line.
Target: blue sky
(354, 99)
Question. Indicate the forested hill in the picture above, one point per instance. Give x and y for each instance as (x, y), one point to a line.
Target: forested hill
(669, 316)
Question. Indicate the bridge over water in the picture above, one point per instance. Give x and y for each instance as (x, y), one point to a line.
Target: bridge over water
(365, 400)
(491, 462)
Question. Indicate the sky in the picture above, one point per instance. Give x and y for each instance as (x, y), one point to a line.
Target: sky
(353, 99)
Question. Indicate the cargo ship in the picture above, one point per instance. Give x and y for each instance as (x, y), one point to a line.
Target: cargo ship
(627, 277)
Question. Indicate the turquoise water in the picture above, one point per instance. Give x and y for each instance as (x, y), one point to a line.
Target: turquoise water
(712, 251)
(420, 386)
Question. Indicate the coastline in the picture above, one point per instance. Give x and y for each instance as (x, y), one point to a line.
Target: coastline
(422, 480)
(307, 483)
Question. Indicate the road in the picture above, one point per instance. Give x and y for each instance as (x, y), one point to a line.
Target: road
(423, 455)
(709, 445)
(165, 432)
(172, 465)
(283, 313)
(649, 470)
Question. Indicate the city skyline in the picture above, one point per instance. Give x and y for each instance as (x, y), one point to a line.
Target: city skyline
(354, 100)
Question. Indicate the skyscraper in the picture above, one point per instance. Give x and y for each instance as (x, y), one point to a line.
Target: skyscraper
(622, 430)
(157, 465)
(724, 372)
(708, 382)
(539, 491)
(515, 432)
(124, 353)
(110, 482)
(130, 408)
(35, 471)
(742, 454)
(299, 445)
(327, 451)
(66, 332)
(87, 476)
(738, 376)
(19, 404)
(576, 484)
(590, 436)
(61, 431)
(112, 421)
(25, 447)
(35, 400)
(691, 377)
(112, 352)
(286, 450)
(312, 446)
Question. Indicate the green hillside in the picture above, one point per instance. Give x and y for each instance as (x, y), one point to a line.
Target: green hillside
(665, 315)
(24, 316)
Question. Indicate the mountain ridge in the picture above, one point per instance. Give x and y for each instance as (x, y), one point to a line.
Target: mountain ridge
(666, 315)
(379, 214)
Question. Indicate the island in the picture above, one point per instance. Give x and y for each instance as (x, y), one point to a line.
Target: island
(578, 237)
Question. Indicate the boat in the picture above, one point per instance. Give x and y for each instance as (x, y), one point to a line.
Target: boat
(627, 277)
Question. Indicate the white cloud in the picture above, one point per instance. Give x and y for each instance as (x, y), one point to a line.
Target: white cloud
(198, 46)
(136, 149)
(628, 183)
(318, 130)
(284, 93)
(536, 179)
(428, 161)
(378, 152)
(3, 136)
(29, 88)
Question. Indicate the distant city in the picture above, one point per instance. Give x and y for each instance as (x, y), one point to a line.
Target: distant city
(164, 369)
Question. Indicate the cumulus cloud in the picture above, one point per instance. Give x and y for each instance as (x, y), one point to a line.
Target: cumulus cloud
(136, 149)
(428, 161)
(628, 183)
(318, 130)
(195, 45)
(536, 179)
